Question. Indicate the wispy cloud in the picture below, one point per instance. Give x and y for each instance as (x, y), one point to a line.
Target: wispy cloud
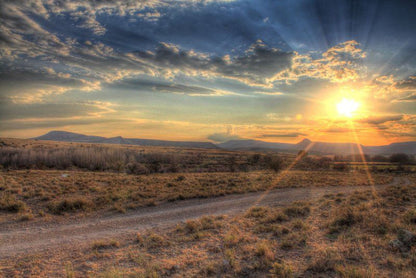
(205, 63)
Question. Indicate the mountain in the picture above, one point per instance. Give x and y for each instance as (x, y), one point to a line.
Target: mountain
(70, 137)
(76, 137)
(402, 147)
(243, 144)
(254, 145)
(321, 147)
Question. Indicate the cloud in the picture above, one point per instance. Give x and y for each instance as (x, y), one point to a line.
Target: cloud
(13, 111)
(337, 130)
(409, 98)
(59, 123)
(34, 85)
(29, 44)
(407, 84)
(391, 89)
(283, 135)
(376, 120)
(258, 63)
(146, 85)
(222, 137)
(340, 63)
(54, 53)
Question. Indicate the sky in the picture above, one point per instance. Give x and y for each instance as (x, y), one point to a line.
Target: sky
(277, 71)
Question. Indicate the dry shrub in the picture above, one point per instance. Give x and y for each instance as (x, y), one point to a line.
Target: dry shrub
(276, 216)
(323, 261)
(9, 203)
(281, 270)
(258, 212)
(293, 240)
(263, 251)
(345, 217)
(202, 224)
(355, 272)
(155, 241)
(103, 244)
(233, 237)
(298, 209)
(70, 205)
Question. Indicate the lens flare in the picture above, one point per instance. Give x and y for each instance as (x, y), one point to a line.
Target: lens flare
(347, 107)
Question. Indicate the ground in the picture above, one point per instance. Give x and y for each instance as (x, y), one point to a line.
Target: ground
(253, 223)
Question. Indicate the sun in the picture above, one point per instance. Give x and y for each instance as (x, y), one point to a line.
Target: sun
(347, 107)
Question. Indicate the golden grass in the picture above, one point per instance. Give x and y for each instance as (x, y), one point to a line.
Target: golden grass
(52, 192)
(344, 235)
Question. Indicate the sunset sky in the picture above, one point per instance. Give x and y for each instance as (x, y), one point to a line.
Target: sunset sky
(277, 71)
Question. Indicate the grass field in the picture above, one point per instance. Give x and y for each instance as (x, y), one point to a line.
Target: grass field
(32, 194)
(338, 235)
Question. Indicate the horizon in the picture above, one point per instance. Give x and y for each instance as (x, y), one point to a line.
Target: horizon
(341, 72)
(300, 140)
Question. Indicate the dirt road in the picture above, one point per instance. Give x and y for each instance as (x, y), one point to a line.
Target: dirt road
(34, 237)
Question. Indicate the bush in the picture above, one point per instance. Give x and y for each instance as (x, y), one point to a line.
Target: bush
(70, 205)
(102, 244)
(323, 261)
(155, 241)
(274, 163)
(11, 204)
(136, 168)
(281, 270)
(401, 158)
(297, 209)
(345, 218)
(341, 166)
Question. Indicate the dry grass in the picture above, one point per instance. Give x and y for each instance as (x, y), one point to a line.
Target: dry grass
(336, 236)
(55, 192)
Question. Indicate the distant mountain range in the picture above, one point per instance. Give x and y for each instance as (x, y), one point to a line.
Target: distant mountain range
(253, 145)
(321, 147)
(76, 137)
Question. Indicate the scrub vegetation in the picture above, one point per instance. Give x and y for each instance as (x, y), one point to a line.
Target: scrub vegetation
(368, 233)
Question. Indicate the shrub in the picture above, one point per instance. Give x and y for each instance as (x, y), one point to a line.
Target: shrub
(136, 168)
(263, 250)
(102, 244)
(274, 163)
(26, 217)
(276, 216)
(154, 241)
(70, 205)
(297, 209)
(341, 166)
(355, 272)
(257, 212)
(192, 226)
(345, 218)
(323, 261)
(281, 270)
(11, 204)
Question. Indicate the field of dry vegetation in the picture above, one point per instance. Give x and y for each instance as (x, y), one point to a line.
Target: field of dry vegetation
(44, 195)
(364, 234)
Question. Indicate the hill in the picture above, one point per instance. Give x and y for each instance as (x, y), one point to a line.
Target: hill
(321, 147)
(243, 144)
(76, 137)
